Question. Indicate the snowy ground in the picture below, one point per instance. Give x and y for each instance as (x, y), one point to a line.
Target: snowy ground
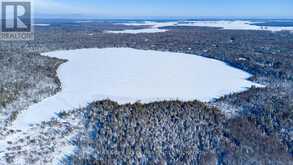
(47, 143)
(127, 75)
(124, 75)
(231, 25)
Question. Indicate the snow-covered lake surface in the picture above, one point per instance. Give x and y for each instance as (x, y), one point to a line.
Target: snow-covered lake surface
(41, 24)
(136, 31)
(234, 25)
(84, 21)
(128, 75)
(224, 24)
(154, 27)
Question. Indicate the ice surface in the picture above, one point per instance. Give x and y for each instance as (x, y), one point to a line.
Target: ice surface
(41, 24)
(155, 27)
(128, 75)
(234, 25)
(224, 24)
(136, 31)
(84, 21)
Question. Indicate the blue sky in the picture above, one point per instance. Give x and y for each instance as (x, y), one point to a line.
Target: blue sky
(165, 8)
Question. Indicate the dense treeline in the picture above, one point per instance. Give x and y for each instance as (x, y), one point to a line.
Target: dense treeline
(172, 133)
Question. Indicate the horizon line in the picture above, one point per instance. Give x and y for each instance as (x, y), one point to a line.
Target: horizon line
(159, 17)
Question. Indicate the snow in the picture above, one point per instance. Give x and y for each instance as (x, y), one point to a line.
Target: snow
(151, 23)
(234, 25)
(41, 24)
(224, 24)
(128, 75)
(85, 21)
(21, 147)
(136, 31)
(155, 27)
(241, 25)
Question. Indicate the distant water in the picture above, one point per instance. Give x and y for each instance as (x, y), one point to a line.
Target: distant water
(159, 25)
(267, 25)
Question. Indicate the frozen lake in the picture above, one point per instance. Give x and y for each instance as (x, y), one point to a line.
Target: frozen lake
(136, 31)
(128, 75)
(235, 25)
(156, 27)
